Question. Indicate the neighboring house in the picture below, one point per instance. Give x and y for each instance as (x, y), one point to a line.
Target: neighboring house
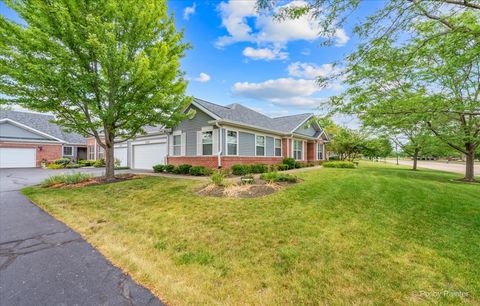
(221, 136)
(27, 139)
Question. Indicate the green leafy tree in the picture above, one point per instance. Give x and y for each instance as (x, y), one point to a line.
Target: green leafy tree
(104, 68)
(379, 147)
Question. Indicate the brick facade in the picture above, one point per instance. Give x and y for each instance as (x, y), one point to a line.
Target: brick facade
(229, 161)
(49, 152)
(206, 161)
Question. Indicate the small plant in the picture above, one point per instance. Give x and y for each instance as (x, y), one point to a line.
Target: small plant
(183, 169)
(122, 168)
(283, 167)
(66, 179)
(55, 166)
(159, 168)
(200, 171)
(338, 164)
(290, 162)
(117, 162)
(258, 168)
(169, 168)
(99, 163)
(73, 166)
(86, 163)
(273, 177)
(62, 161)
(299, 165)
(218, 178)
(247, 179)
(240, 169)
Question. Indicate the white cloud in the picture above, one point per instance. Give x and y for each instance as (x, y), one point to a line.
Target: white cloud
(265, 29)
(189, 11)
(264, 54)
(311, 71)
(203, 77)
(283, 91)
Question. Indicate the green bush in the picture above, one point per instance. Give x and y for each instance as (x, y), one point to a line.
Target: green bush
(218, 177)
(247, 179)
(158, 168)
(182, 169)
(283, 167)
(240, 169)
(169, 168)
(99, 163)
(200, 171)
(258, 168)
(299, 165)
(62, 161)
(55, 166)
(67, 179)
(122, 168)
(272, 177)
(338, 164)
(86, 163)
(290, 162)
(73, 166)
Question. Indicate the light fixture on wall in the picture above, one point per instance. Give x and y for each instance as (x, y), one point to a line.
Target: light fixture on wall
(40, 148)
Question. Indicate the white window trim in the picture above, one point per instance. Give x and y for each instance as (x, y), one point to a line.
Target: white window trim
(293, 148)
(275, 148)
(63, 151)
(176, 133)
(238, 142)
(323, 157)
(204, 130)
(264, 145)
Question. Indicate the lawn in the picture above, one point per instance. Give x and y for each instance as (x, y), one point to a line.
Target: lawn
(378, 234)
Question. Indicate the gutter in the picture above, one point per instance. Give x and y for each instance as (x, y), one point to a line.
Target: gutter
(220, 146)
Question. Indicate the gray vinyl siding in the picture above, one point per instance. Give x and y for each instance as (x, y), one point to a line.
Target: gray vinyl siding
(11, 131)
(269, 150)
(308, 131)
(190, 128)
(223, 141)
(246, 143)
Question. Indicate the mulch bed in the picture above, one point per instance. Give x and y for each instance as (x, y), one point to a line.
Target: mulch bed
(255, 190)
(100, 180)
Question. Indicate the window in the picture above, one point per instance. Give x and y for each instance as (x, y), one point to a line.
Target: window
(297, 149)
(67, 151)
(100, 152)
(91, 152)
(278, 147)
(207, 143)
(232, 142)
(260, 145)
(319, 151)
(177, 145)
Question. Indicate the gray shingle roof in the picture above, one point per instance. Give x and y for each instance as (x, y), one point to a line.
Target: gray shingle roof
(239, 113)
(41, 122)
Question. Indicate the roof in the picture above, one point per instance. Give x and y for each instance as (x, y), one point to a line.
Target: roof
(41, 122)
(241, 114)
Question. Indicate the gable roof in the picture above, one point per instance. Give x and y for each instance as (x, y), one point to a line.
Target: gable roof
(41, 123)
(241, 114)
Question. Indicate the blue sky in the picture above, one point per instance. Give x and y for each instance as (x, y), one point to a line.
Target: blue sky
(240, 56)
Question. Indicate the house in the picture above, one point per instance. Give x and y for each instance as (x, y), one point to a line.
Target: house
(221, 136)
(27, 139)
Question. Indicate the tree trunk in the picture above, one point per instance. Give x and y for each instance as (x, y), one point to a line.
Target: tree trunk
(469, 169)
(109, 163)
(415, 159)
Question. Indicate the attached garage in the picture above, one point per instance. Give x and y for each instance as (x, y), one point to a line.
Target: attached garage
(17, 157)
(146, 155)
(121, 153)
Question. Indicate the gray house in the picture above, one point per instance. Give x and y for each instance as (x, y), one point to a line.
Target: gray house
(27, 139)
(221, 136)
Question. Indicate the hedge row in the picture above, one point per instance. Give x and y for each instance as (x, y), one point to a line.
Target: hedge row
(184, 169)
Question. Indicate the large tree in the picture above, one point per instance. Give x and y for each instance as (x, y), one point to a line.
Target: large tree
(104, 68)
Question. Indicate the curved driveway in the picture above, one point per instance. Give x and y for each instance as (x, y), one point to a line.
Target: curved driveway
(44, 262)
(442, 166)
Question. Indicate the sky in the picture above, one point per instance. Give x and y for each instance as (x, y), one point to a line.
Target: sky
(240, 56)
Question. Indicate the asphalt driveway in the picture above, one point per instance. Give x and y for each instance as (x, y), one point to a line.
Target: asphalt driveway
(44, 262)
(437, 165)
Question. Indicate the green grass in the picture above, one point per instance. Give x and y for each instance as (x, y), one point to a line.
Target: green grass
(372, 235)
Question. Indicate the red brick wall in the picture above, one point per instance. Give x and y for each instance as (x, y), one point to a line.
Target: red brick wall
(286, 147)
(311, 149)
(90, 141)
(50, 152)
(206, 161)
(229, 161)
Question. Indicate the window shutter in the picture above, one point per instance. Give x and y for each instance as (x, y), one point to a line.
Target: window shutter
(199, 143)
(215, 142)
(170, 145)
(303, 150)
(184, 142)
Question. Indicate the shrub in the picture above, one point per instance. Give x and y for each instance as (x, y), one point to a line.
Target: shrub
(334, 158)
(66, 179)
(218, 178)
(258, 168)
(310, 164)
(290, 162)
(99, 163)
(247, 179)
(200, 171)
(55, 166)
(62, 161)
(169, 168)
(122, 168)
(240, 169)
(299, 165)
(183, 169)
(158, 168)
(338, 164)
(278, 177)
(86, 163)
(117, 162)
(283, 167)
(73, 166)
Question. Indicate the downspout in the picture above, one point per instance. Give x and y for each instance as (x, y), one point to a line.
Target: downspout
(220, 145)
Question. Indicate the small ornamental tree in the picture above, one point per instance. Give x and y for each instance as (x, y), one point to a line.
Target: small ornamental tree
(104, 68)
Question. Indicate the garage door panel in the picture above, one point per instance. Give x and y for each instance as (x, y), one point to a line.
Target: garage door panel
(147, 155)
(122, 155)
(17, 157)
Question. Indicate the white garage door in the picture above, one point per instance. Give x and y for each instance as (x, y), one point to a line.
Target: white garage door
(17, 157)
(121, 154)
(147, 155)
